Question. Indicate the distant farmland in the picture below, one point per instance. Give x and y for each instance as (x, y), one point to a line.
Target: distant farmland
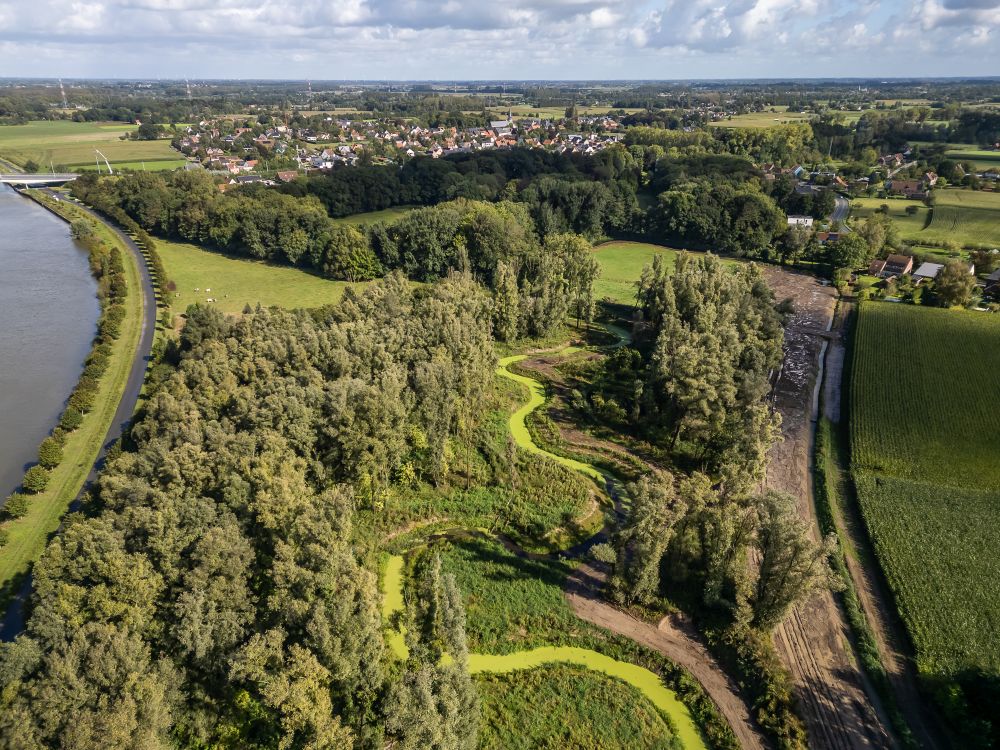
(72, 144)
(967, 217)
(925, 442)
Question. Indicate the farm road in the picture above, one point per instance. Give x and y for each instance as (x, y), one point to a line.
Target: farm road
(840, 708)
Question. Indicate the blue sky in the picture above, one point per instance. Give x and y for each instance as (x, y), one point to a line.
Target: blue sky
(498, 39)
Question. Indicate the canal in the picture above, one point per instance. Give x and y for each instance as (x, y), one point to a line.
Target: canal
(48, 318)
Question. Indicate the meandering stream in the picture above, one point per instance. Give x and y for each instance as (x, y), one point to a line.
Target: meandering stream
(647, 682)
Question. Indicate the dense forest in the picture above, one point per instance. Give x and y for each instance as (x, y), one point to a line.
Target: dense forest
(213, 591)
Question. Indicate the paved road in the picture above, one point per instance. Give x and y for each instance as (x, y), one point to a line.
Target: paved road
(841, 211)
(13, 619)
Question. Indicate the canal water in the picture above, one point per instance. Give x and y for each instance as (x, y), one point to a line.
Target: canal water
(48, 318)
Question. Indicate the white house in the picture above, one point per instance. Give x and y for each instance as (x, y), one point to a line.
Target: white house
(800, 221)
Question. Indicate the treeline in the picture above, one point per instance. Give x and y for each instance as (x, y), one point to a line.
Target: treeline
(478, 175)
(213, 592)
(108, 270)
(497, 242)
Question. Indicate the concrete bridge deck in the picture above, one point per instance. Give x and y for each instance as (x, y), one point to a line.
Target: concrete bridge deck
(30, 180)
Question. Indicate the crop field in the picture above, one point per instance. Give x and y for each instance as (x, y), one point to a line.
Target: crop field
(386, 216)
(71, 144)
(966, 216)
(562, 705)
(925, 440)
(237, 282)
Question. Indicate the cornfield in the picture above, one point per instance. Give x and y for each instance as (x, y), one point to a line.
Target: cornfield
(925, 444)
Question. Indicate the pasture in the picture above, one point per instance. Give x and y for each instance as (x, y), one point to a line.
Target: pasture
(237, 282)
(71, 144)
(925, 437)
(621, 264)
(909, 225)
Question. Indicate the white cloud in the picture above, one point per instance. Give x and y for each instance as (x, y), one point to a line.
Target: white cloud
(513, 39)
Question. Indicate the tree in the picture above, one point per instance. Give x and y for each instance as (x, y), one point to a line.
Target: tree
(851, 251)
(792, 566)
(35, 479)
(506, 304)
(654, 511)
(954, 284)
(50, 453)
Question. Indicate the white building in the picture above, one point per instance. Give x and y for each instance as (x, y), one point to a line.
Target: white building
(800, 221)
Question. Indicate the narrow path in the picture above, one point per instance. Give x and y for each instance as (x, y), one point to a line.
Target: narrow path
(13, 618)
(876, 603)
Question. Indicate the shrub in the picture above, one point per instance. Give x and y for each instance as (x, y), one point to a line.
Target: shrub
(604, 553)
(16, 505)
(50, 453)
(3, 536)
(35, 479)
(71, 419)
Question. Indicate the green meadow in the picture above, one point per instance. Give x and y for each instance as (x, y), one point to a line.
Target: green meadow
(237, 282)
(71, 144)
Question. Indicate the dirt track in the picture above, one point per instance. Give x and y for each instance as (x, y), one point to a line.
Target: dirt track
(672, 639)
(839, 708)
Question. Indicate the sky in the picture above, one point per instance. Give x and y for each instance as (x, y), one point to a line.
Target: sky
(498, 39)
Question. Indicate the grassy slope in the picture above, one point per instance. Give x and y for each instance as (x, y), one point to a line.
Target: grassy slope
(387, 216)
(925, 440)
(68, 143)
(244, 281)
(29, 534)
(965, 216)
(566, 706)
(762, 119)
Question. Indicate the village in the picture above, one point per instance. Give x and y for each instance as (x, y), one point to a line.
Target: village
(247, 151)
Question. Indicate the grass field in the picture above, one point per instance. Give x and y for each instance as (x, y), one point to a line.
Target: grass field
(560, 706)
(138, 166)
(72, 144)
(237, 282)
(386, 216)
(925, 443)
(621, 264)
(979, 158)
(910, 226)
(762, 119)
(28, 534)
